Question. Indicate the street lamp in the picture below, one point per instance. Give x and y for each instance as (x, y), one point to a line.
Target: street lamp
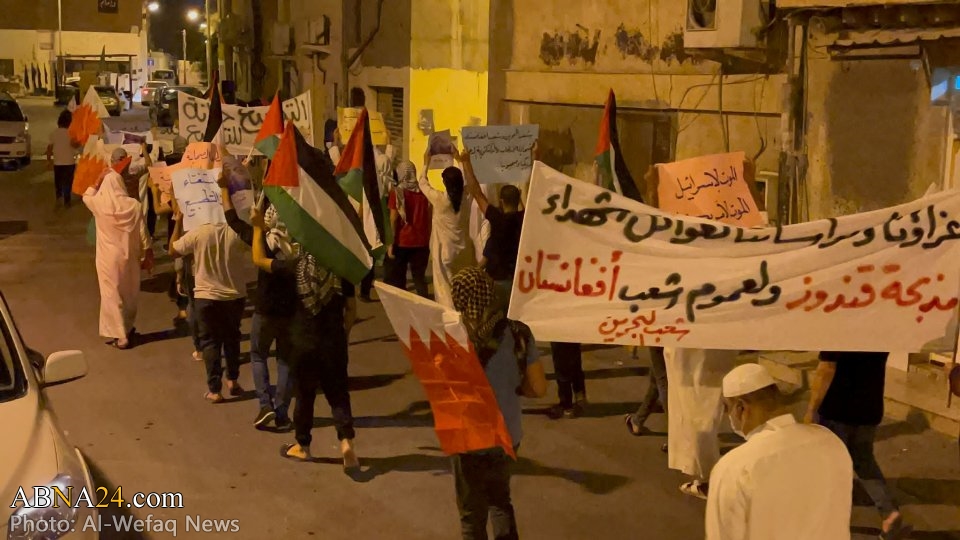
(193, 15)
(153, 7)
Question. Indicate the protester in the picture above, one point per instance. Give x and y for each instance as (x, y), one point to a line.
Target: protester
(696, 412)
(122, 247)
(410, 219)
(789, 481)
(846, 396)
(508, 352)
(220, 270)
(656, 398)
(62, 152)
(326, 310)
(571, 381)
(449, 244)
(501, 249)
(275, 304)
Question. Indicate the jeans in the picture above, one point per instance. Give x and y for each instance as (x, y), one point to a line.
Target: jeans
(264, 331)
(63, 181)
(657, 388)
(859, 442)
(319, 362)
(568, 367)
(416, 258)
(482, 482)
(219, 328)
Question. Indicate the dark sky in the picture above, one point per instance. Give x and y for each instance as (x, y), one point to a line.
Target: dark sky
(166, 24)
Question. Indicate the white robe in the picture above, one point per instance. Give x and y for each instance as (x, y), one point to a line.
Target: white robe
(450, 246)
(696, 407)
(121, 240)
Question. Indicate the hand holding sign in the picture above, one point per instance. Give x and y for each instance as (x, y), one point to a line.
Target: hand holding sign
(504, 154)
(198, 196)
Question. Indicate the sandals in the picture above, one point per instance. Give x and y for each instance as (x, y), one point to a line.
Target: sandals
(213, 397)
(898, 530)
(635, 429)
(695, 488)
(285, 453)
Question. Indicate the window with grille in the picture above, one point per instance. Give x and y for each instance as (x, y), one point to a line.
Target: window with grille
(390, 104)
(6, 67)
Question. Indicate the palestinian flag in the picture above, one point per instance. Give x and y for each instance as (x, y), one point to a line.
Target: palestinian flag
(317, 212)
(86, 117)
(357, 174)
(270, 131)
(613, 169)
(215, 117)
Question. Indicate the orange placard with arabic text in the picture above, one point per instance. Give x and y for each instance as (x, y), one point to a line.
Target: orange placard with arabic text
(708, 187)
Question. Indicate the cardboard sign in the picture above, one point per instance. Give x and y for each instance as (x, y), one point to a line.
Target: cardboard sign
(198, 196)
(347, 120)
(709, 187)
(441, 147)
(240, 124)
(202, 155)
(597, 267)
(501, 154)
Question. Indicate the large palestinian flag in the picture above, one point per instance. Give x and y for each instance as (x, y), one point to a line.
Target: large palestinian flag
(357, 174)
(270, 131)
(613, 169)
(315, 209)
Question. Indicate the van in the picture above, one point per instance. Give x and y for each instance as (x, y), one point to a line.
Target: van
(164, 75)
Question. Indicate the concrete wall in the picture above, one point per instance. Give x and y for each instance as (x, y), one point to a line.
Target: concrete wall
(874, 140)
(79, 15)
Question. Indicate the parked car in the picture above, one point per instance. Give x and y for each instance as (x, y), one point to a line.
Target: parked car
(108, 95)
(166, 75)
(66, 92)
(35, 451)
(150, 90)
(14, 131)
(165, 107)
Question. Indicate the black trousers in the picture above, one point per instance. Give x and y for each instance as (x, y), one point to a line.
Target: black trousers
(414, 258)
(63, 181)
(483, 489)
(657, 387)
(318, 361)
(366, 286)
(151, 215)
(219, 328)
(568, 367)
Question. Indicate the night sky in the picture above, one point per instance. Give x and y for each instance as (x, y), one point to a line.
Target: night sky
(166, 24)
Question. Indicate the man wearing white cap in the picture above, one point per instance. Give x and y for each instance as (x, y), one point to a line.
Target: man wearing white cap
(789, 481)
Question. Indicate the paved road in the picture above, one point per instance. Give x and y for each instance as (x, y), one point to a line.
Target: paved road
(139, 418)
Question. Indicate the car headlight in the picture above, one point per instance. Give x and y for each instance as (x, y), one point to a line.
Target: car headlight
(21, 138)
(43, 519)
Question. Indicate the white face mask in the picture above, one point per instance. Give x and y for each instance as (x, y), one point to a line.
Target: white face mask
(733, 424)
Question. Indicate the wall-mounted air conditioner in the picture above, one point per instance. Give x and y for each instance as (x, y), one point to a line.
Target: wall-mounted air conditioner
(715, 24)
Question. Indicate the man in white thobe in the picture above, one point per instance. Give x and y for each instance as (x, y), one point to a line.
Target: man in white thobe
(122, 242)
(696, 412)
(789, 481)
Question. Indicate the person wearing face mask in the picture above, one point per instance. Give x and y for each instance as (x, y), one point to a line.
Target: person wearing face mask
(789, 481)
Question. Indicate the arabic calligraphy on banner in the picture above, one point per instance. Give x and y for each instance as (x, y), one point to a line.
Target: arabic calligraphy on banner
(596, 267)
(501, 154)
(198, 196)
(710, 187)
(240, 124)
(347, 120)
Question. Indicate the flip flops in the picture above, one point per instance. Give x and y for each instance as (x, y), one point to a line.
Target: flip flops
(898, 530)
(285, 453)
(694, 488)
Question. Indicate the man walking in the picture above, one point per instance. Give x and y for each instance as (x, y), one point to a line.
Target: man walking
(847, 395)
(789, 481)
(220, 274)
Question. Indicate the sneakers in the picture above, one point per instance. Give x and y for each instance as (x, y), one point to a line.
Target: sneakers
(283, 424)
(264, 417)
(559, 411)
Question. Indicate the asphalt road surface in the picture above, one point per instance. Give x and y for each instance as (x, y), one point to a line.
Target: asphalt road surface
(139, 418)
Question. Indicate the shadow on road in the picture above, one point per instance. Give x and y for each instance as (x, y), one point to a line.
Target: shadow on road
(111, 513)
(10, 228)
(370, 382)
(594, 410)
(408, 417)
(610, 373)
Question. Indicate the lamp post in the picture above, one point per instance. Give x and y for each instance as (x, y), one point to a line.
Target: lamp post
(206, 18)
(183, 70)
(62, 63)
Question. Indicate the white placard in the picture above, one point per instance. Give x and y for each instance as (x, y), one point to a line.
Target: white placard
(501, 154)
(198, 196)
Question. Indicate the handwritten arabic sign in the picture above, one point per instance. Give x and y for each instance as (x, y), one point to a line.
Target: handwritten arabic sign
(347, 120)
(202, 155)
(620, 272)
(711, 187)
(501, 154)
(240, 124)
(198, 196)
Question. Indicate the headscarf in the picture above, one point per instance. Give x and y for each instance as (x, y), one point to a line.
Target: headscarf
(115, 203)
(406, 181)
(316, 285)
(475, 297)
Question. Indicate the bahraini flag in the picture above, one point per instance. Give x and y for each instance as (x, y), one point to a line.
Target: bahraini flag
(86, 117)
(315, 209)
(466, 415)
(611, 166)
(357, 174)
(270, 131)
(93, 161)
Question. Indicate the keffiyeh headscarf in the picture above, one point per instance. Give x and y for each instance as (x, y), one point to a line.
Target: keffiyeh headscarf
(406, 181)
(485, 317)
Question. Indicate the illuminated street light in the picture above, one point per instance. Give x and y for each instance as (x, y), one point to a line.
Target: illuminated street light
(203, 25)
(193, 15)
(153, 7)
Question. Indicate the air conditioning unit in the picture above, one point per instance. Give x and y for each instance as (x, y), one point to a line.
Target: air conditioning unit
(713, 24)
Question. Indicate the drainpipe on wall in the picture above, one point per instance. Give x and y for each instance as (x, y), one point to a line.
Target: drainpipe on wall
(791, 128)
(348, 61)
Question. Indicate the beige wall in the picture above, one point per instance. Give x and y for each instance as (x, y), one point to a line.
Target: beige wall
(81, 15)
(874, 139)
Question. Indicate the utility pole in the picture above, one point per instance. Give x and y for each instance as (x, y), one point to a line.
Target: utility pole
(62, 63)
(206, 17)
(183, 64)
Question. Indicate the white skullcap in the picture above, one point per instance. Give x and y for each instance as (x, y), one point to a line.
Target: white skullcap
(118, 155)
(746, 379)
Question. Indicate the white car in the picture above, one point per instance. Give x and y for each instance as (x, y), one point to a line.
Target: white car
(35, 452)
(150, 90)
(14, 132)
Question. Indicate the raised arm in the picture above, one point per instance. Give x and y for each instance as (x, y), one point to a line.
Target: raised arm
(260, 258)
(819, 384)
(473, 185)
(244, 230)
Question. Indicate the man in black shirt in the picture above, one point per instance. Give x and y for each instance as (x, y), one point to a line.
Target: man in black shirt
(847, 397)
